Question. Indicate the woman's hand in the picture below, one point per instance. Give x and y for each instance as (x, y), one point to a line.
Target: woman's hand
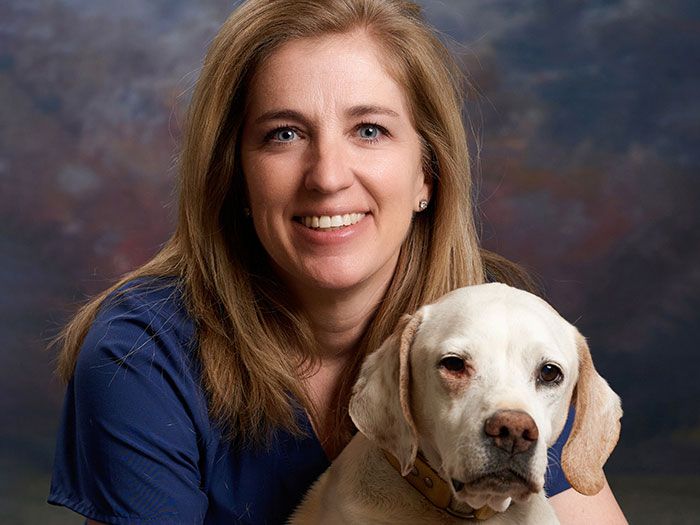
(573, 508)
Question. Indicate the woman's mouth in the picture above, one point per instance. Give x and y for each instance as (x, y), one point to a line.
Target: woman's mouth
(330, 222)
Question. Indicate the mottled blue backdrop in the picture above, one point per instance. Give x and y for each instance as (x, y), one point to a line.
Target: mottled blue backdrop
(585, 129)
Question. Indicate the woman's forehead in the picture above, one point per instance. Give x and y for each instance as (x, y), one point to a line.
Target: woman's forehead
(332, 71)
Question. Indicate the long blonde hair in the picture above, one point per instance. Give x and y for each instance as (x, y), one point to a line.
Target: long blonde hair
(254, 344)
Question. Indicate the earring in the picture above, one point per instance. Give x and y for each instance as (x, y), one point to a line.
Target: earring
(422, 205)
(246, 212)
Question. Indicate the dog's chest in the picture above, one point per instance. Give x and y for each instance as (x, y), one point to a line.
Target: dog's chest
(362, 487)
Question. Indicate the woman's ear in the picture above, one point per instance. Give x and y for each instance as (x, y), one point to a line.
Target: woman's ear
(429, 168)
(380, 406)
(596, 426)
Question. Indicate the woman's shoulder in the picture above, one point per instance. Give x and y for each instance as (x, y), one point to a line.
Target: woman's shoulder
(135, 414)
(156, 299)
(145, 321)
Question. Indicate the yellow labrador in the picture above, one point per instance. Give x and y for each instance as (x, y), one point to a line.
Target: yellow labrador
(464, 400)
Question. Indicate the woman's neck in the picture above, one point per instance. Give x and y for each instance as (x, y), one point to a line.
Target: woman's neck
(339, 319)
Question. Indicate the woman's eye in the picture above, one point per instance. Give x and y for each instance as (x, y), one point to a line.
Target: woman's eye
(284, 135)
(550, 374)
(369, 132)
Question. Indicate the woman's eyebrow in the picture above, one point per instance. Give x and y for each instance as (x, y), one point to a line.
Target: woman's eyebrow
(282, 114)
(371, 109)
(353, 112)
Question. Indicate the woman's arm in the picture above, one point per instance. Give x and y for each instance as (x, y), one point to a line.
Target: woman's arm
(573, 508)
(129, 441)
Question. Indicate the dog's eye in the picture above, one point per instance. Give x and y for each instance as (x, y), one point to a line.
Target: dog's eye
(452, 363)
(550, 373)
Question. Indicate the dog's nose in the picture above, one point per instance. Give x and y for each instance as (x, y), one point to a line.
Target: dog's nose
(512, 430)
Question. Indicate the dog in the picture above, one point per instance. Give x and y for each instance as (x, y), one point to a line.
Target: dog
(455, 413)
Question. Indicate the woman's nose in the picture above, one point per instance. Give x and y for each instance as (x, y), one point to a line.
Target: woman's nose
(329, 169)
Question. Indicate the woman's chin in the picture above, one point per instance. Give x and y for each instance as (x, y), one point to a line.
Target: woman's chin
(336, 282)
(328, 279)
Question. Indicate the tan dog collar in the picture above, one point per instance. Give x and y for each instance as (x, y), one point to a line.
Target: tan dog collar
(429, 483)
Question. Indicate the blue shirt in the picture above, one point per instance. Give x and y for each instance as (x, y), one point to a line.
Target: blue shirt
(136, 444)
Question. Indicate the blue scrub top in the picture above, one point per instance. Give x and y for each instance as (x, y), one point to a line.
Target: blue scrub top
(136, 444)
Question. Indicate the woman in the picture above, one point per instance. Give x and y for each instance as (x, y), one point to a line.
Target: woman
(324, 192)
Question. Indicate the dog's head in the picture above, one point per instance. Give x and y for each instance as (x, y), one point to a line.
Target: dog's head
(481, 382)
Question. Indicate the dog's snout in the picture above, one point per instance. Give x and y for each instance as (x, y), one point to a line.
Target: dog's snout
(512, 430)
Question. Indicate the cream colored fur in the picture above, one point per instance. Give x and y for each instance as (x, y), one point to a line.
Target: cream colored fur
(403, 403)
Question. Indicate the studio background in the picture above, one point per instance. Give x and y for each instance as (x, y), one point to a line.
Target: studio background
(585, 142)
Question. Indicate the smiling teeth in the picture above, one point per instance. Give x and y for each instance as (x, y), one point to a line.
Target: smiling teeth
(335, 221)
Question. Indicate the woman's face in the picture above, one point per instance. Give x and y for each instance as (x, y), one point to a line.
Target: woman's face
(332, 163)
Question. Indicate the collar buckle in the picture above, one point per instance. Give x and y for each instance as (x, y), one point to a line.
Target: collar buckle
(435, 489)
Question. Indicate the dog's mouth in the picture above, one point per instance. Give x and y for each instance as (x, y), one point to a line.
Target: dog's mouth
(506, 481)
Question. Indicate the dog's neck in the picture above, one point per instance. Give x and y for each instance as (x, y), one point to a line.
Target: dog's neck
(426, 480)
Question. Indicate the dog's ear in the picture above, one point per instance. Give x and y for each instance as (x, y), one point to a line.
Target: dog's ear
(596, 426)
(381, 406)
